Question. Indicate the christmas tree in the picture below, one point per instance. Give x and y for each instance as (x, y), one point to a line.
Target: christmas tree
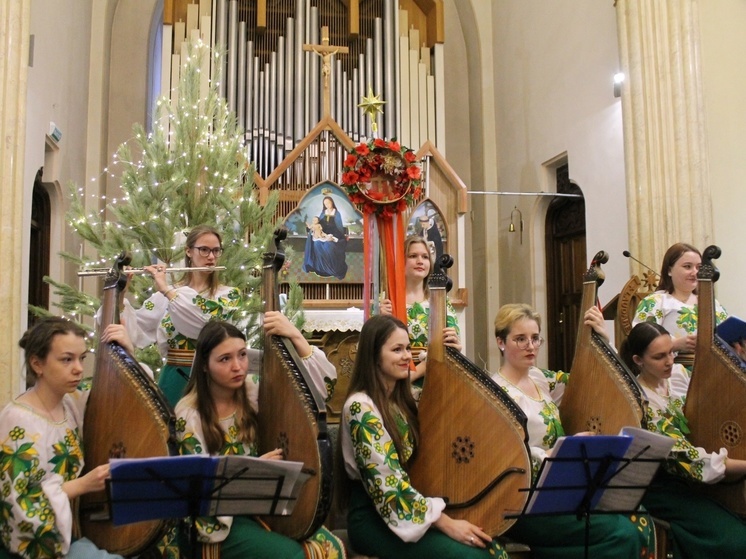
(191, 170)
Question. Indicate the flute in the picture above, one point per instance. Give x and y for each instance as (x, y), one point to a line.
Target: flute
(105, 271)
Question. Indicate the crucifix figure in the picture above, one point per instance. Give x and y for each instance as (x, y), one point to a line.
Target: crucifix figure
(325, 51)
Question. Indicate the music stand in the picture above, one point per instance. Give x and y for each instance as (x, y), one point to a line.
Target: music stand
(199, 485)
(596, 475)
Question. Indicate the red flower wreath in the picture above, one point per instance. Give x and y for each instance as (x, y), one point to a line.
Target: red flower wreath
(380, 163)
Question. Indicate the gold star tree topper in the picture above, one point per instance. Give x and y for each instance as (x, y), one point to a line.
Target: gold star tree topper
(372, 105)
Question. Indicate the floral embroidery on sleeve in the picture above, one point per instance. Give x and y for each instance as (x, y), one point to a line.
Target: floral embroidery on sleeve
(384, 478)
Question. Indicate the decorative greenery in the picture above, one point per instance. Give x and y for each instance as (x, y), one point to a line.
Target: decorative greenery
(191, 170)
(377, 162)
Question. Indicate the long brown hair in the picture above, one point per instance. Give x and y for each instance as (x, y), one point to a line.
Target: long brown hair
(192, 237)
(672, 255)
(368, 378)
(37, 341)
(198, 389)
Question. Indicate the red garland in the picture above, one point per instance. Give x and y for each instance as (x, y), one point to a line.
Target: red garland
(381, 159)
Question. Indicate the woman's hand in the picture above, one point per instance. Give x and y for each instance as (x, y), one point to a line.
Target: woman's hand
(387, 307)
(462, 531)
(95, 480)
(450, 338)
(686, 344)
(118, 333)
(595, 320)
(277, 324)
(275, 454)
(159, 277)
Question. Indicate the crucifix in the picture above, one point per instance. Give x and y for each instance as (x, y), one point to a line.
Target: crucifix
(325, 51)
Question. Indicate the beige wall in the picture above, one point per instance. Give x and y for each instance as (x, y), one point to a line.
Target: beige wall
(68, 84)
(539, 89)
(724, 79)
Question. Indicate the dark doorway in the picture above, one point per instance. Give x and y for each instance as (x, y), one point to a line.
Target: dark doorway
(41, 216)
(566, 262)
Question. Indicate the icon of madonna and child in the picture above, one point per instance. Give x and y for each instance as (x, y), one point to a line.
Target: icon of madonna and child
(332, 231)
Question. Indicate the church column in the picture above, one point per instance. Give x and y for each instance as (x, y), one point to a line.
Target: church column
(668, 192)
(14, 32)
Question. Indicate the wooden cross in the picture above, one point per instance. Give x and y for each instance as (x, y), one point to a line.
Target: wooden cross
(325, 51)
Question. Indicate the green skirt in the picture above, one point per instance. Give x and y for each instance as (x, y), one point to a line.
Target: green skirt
(248, 539)
(370, 535)
(700, 527)
(611, 536)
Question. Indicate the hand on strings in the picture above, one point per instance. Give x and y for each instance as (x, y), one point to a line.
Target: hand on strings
(277, 324)
(387, 307)
(463, 531)
(158, 271)
(687, 344)
(275, 454)
(118, 333)
(95, 480)
(595, 320)
(450, 338)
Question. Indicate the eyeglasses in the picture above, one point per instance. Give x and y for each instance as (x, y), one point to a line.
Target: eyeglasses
(522, 341)
(205, 251)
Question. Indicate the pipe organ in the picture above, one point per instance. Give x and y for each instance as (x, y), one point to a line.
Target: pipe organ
(276, 87)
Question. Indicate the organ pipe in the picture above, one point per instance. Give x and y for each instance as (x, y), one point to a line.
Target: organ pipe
(276, 89)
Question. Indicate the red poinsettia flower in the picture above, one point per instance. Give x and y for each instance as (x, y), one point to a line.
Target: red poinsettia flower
(379, 143)
(409, 156)
(362, 149)
(394, 146)
(350, 177)
(413, 172)
(350, 160)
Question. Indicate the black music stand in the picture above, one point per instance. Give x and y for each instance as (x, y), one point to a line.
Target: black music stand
(596, 475)
(198, 485)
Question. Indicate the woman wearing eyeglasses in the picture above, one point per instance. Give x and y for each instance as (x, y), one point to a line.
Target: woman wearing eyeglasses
(174, 316)
(537, 392)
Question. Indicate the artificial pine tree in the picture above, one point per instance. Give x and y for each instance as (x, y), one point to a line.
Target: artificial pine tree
(191, 170)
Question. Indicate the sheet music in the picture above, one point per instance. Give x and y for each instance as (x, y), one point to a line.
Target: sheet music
(637, 473)
(254, 479)
(180, 486)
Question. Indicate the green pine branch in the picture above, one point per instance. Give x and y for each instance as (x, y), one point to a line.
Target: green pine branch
(191, 169)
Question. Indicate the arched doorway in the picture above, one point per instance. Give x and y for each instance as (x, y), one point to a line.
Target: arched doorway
(39, 248)
(566, 261)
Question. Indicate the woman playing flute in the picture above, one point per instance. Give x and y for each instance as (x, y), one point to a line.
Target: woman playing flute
(174, 316)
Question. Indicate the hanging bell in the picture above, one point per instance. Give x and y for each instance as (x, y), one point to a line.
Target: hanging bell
(511, 229)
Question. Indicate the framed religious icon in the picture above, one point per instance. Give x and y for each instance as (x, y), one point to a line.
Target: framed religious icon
(427, 222)
(327, 231)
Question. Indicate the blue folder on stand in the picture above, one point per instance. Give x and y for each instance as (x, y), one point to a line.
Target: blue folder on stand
(574, 477)
(199, 485)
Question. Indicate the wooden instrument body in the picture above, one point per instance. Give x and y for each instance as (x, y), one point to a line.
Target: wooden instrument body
(292, 416)
(126, 417)
(602, 394)
(716, 400)
(473, 449)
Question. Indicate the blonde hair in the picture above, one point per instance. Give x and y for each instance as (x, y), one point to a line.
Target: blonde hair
(512, 313)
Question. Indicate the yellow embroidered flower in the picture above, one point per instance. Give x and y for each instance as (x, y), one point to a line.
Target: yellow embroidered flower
(17, 433)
